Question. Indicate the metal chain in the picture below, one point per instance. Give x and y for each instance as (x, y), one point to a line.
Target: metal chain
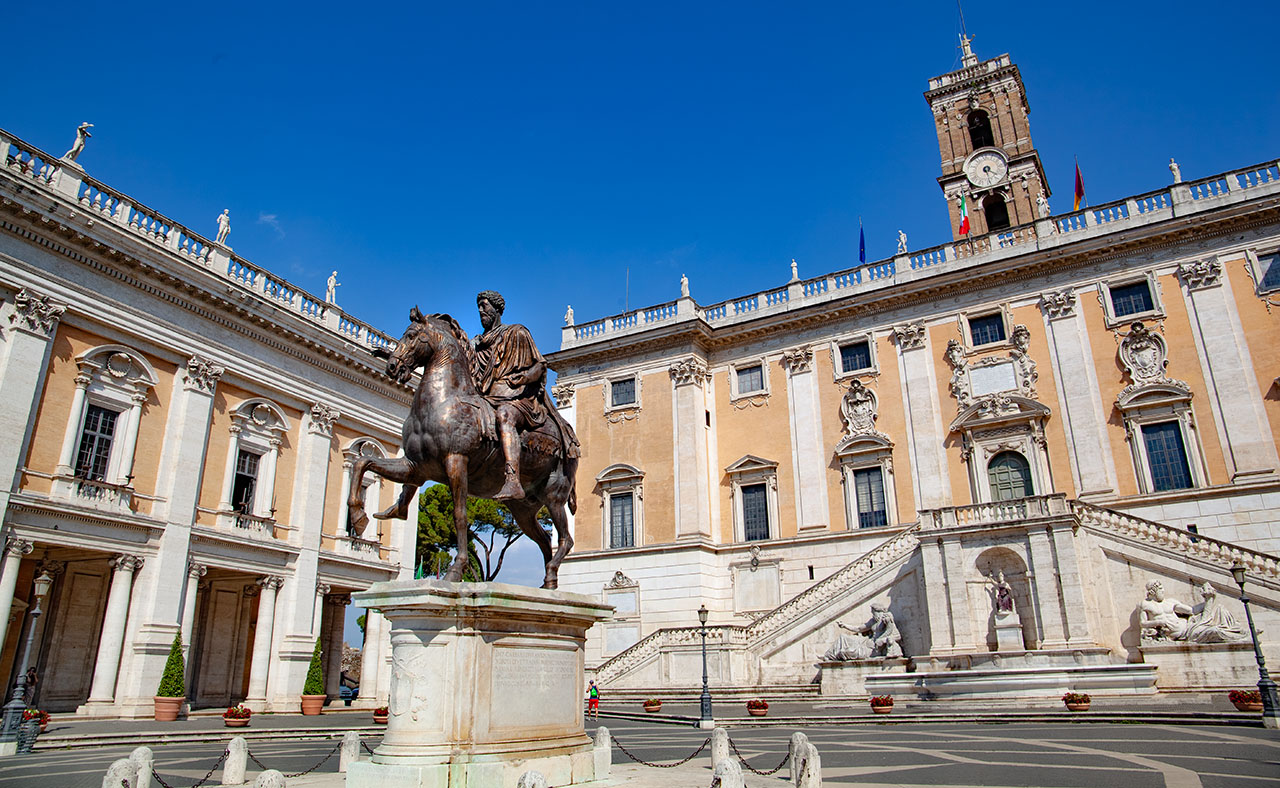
(753, 770)
(366, 747)
(319, 763)
(643, 762)
(203, 780)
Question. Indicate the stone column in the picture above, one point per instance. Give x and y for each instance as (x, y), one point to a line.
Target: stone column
(264, 505)
(131, 437)
(348, 465)
(813, 512)
(194, 573)
(1048, 603)
(337, 622)
(32, 320)
(103, 689)
(317, 613)
(13, 551)
(261, 661)
(229, 471)
(1228, 364)
(692, 515)
(370, 657)
(67, 458)
(1093, 467)
(920, 393)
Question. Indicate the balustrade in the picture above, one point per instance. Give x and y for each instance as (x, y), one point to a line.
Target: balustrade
(1106, 214)
(1211, 187)
(929, 257)
(775, 297)
(1152, 202)
(1070, 223)
(1247, 179)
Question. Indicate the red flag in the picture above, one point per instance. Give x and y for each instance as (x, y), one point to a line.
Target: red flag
(964, 214)
(1079, 189)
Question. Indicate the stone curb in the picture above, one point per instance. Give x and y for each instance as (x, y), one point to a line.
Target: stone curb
(1135, 718)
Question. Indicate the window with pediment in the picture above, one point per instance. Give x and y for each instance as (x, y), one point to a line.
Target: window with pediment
(866, 462)
(754, 485)
(621, 499)
(258, 428)
(1128, 299)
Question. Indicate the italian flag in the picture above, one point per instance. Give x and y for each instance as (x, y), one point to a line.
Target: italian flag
(964, 214)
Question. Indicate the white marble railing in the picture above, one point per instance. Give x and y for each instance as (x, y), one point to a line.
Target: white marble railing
(1053, 232)
(355, 546)
(996, 512)
(99, 493)
(45, 172)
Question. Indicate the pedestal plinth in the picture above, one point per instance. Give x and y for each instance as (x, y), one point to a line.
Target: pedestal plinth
(486, 683)
(1009, 632)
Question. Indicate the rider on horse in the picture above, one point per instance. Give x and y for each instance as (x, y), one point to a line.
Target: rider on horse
(511, 374)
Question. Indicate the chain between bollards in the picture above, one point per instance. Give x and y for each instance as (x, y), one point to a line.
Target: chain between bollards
(319, 763)
(643, 762)
(752, 769)
(202, 781)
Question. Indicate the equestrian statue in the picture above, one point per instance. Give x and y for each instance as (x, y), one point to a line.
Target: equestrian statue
(482, 423)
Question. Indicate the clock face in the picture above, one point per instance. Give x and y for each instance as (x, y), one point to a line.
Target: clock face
(986, 168)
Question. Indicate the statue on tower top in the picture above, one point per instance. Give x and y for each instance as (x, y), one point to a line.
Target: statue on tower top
(968, 59)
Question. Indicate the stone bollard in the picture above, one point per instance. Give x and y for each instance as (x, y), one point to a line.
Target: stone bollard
(269, 779)
(603, 753)
(798, 743)
(811, 770)
(531, 779)
(237, 761)
(719, 746)
(350, 752)
(121, 773)
(727, 774)
(144, 760)
(603, 739)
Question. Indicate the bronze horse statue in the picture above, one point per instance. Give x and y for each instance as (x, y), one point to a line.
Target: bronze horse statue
(448, 438)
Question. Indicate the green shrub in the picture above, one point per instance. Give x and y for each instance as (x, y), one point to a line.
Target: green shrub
(315, 676)
(173, 683)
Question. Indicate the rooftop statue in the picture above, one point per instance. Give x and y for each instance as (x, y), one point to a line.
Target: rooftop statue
(82, 135)
(482, 423)
(902, 242)
(1176, 170)
(224, 226)
(331, 288)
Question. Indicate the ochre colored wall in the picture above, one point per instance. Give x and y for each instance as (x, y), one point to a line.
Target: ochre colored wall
(761, 430)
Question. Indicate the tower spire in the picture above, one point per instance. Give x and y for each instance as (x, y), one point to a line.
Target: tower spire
(967, 57)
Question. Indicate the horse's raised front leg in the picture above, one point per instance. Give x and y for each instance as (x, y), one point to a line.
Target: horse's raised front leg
(455, 467)
(396, 469)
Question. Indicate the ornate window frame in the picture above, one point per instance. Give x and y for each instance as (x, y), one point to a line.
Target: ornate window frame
(1108, 309)
(119, 379)
(837, 363)
(619, 589)
(745, 471)
(1021, 379)
(621, 478)
(257, 425)
(966, 331)
(1152, 397)
(1253, 267)
(627, 410)
(757, 396)
(863, 447)
(363, 446)
(998, 423)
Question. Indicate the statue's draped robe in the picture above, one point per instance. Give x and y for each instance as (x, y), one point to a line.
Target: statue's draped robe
(507, 349)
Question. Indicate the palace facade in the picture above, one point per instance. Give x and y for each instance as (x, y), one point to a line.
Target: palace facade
(1084, 401)
(179, 429)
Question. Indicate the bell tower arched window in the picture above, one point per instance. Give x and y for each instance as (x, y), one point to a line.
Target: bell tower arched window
(1009, 475)
(996, 212)
(980, 130)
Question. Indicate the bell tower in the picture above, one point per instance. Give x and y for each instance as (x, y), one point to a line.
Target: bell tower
(984, 137)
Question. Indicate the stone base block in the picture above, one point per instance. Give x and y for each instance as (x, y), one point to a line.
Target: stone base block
(560, 770)
(1027, 682)
(1207, 666)
(1009, 634)
(849, 678)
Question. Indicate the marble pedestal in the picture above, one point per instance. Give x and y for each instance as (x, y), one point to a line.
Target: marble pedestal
(486, 683)
(850, 676)
(1009, 633)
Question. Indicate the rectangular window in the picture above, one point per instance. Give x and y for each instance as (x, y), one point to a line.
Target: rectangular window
(755, 512)
(95, 443)
(986, 329)
(1131, 299)
(1269, 268)
(246, 482)
(855, 357)
(622, 392)
(1167, 455)
(750, 379)
(622, 524)
(869, 485)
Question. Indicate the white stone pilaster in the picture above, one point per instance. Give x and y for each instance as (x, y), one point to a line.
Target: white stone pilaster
(229, 469)
(110, 643)
(937, 607)
(567, 404)
(67, 456)
(813, 511)
(1048, 603)
(348, 465)
(689, 405)
(961, 613)
(260, 664)
(1072, 585)
(14, 550)
(29, 321)
(131, 437)
(920, 394)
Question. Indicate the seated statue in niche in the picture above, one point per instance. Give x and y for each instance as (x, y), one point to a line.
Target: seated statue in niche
(1001, 595)
(879, 639)
(1161, 618)
(1212, 623)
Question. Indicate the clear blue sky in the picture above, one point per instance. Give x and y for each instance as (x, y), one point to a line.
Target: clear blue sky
(548, 149)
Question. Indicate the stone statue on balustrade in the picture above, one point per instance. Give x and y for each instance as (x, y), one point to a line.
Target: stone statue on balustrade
(684, 286)
(879, 639)
(1161, 618)
(331, 288)
(1176, 170)
(82, 135)
(568, 316)
(902, 242)
(1042, 206)
(224, 226)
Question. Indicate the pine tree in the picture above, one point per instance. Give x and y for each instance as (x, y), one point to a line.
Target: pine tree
(173, 682)
(315, 676)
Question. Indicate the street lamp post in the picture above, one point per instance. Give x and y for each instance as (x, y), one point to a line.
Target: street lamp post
(704, 721)
(1266, 687)
(17, 701)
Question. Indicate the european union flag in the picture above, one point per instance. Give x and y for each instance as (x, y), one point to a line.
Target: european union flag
(862, 244)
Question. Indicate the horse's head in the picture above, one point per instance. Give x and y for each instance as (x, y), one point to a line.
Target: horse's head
(421, 339)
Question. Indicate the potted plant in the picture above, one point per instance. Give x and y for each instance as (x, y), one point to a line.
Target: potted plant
(882, 704)
(757, 707)
(236, 716)
(313, 696)
(380, 715)
(653, 705)
(1077, 701)
(36, 714)
(1246, 700)
(173, 687)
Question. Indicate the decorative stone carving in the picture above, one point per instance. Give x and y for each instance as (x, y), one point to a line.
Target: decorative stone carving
(688, 372)
(271, 581)
(1200, 274)
(322, 419)
(1168, 619)
(322, 589)
(1161, 618)
(339, 600)
(909, 336)
(1021, 338)
(798, 360)
(126, 562)
(202, 374)
(1145, 356)
(47, 566)
(1212, 623)
(859, 409)
(879, 639)
(621, 581)
(1058, 304)
(18, 546)
(196, 570)
(563, 393)
(83, 135)
(37, 314)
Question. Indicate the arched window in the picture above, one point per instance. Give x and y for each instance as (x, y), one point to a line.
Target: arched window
(980, 130)
(996, 212)
(1009, 476)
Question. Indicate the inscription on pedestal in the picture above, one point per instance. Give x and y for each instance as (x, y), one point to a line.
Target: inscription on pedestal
(533, 687)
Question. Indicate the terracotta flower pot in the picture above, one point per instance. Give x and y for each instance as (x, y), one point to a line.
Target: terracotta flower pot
(757, 712)
(167, 708)
(882, 709)
(235, 722)
(653, 707)
(1078, 706)
(380, 719)
(312, 704)
(1255, 707)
